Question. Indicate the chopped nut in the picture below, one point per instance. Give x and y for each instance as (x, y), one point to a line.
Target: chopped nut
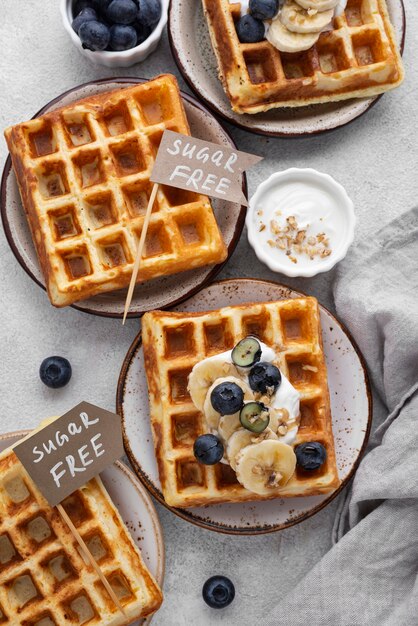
(282, 430)
(310, 368)
(274, 479)
(258, 470)
(293, 259)
(312, 241)
(262, 227)
(294, 241)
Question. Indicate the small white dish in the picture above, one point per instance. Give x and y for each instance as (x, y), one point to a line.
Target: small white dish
(125, 58)
(319, 204)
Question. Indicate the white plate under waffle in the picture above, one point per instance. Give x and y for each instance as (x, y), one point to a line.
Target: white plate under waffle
(154, 294)
(192, 50)
(135, 507)
(350, 407)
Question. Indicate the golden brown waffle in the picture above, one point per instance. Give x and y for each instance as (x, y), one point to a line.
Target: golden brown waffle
(44, 581)
(358, 58)
(175, 342)
(83, 173)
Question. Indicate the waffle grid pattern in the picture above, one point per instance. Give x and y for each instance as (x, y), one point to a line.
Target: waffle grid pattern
(84, 176)
(174, 343)
(44, 581)
(359, 57)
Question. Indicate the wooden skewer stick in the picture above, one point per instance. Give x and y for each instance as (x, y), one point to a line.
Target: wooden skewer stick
(89, 557)
(139, 251)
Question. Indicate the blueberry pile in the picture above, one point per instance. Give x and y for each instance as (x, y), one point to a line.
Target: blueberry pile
(250, 27)
(115, 24)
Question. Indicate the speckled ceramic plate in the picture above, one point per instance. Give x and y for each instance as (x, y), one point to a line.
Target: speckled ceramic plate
(156, 294)
(135, 507)
(192, 49)
(350, 405)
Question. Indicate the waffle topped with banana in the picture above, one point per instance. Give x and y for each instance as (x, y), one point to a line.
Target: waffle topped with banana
(84, 178)
(291, 53)
(239, 403)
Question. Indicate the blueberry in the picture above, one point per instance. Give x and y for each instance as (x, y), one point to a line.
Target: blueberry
(247, 352)
(208, 449)
(94, 35)
(142, 32)
(250, 30)
(149, 12)
(86, 15)
(122, 37)
(79, 5)
(264, 9)
(55, 371)
(122, 11)
(265, 378)
(255, 417)
(227, 398)
(218, 592)
(311, 455)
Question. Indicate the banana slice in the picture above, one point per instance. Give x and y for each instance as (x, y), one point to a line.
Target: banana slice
(286, 41)
(266, 466)
(299, 20)
(242, 438)
(204, 374)
(212, 416)
(228, 424)
(318, 5)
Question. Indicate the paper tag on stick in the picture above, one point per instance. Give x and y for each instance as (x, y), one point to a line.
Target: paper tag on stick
(201, 166)
(66, 454)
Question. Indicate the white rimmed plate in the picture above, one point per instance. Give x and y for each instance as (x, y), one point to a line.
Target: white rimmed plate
(192, 50)
(135, 507)
(350, 405)
(155, 294)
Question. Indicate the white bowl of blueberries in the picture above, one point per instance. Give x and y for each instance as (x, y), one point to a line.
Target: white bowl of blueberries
(115, 33)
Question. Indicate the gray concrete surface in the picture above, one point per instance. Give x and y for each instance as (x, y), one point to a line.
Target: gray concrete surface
(375, 158)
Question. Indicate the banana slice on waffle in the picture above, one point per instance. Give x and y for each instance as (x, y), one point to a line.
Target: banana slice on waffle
(287, 41)
(212, 416)
(204, 374)
(242, 438)
(299, 20)
(318, 5)
(266, 466)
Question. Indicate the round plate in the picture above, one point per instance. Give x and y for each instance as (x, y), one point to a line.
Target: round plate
(155, 294)
(192, 50)
(135, 507)
(351, 408)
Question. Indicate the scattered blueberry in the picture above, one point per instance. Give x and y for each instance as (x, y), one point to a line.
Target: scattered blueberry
(310, 456)
(94, 35)
(149, 12)
(265, 378)
(264, 9)
(122, 11)
(250, 30)
(122, 37)
(55, 371)
(218, 592)
(208, 449)
(227, 398)
(86, 15)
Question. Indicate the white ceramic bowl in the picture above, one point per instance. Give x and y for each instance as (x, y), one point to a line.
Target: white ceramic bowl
(125, 58)
(329, 192)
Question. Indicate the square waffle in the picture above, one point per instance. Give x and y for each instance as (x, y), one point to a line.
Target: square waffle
(358, 58)
(83, 173)
(175, 342)
(44, 581)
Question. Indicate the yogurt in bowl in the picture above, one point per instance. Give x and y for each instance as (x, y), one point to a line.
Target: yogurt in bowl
(300, 222)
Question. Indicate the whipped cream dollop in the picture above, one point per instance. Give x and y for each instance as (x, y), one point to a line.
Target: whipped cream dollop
(286, 397)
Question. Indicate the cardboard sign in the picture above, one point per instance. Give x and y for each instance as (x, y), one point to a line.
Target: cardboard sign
(201, 166)
(66, 454)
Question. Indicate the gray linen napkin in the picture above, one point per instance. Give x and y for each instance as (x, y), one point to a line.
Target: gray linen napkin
(370, 576)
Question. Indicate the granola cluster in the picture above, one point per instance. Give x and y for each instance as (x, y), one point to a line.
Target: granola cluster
(295, 241)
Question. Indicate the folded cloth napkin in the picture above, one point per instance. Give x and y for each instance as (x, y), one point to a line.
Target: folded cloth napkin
(370, 576)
